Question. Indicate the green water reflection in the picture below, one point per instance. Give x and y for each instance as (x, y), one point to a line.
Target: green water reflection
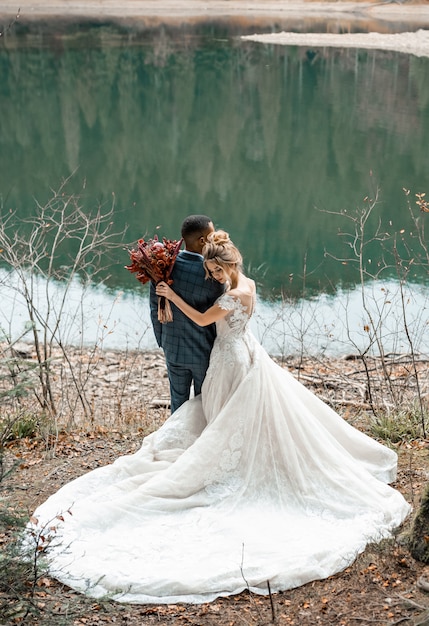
(264, 139)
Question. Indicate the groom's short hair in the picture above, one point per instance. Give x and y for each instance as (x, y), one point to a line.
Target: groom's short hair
(195, 225)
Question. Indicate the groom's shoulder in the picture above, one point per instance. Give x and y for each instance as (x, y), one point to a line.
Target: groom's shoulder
(186, 265)
(189, 258)
(190, 276)
(187, 271)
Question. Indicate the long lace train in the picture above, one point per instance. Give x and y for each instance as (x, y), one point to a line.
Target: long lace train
(255, 480)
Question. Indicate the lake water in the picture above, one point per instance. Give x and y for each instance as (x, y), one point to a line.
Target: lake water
(331, 325)
(272, 142)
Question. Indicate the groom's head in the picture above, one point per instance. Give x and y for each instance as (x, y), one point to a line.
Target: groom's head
(195, 229)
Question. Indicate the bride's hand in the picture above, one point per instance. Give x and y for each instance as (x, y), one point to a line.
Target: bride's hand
(162, 289)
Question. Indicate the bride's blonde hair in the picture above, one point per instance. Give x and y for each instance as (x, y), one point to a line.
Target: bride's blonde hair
(219, 248)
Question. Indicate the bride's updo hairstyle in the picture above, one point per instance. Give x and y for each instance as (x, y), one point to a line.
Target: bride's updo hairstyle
(220, 249)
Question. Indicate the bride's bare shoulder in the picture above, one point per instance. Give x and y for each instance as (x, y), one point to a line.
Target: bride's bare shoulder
(245, 292)
(252, 286)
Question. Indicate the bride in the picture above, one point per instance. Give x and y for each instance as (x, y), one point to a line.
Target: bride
(255, 482)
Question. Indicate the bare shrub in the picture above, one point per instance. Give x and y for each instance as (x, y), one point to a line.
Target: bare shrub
(31, 251)
(403, 254)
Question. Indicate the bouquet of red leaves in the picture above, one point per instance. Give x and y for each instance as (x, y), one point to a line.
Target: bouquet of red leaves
(154, 260)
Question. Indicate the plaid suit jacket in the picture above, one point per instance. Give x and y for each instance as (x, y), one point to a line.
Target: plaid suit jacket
(183, 341)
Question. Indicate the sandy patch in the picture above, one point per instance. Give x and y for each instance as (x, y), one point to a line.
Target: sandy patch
(416, 43)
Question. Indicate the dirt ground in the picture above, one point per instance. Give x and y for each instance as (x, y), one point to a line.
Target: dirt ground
(380, 587)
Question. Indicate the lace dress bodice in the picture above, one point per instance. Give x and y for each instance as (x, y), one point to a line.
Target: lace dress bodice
(232, 355)
(236, 321)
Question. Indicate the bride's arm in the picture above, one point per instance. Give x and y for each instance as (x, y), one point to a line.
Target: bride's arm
(212, 314)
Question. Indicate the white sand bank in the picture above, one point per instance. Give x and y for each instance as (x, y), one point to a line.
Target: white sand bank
(416, 43)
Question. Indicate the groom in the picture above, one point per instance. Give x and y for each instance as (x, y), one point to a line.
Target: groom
(187, 346)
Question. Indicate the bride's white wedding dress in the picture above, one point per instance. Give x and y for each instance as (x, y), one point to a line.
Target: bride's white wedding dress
(255, 480)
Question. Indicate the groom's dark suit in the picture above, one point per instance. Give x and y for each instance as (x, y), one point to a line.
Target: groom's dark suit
(186, 345)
